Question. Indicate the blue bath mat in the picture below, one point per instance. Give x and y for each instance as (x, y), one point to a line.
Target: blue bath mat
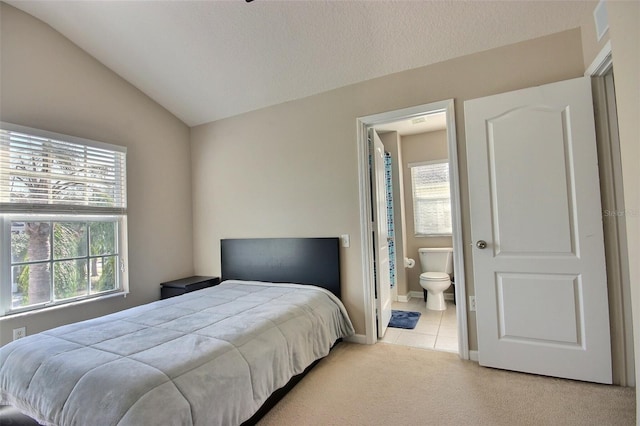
(404, 319)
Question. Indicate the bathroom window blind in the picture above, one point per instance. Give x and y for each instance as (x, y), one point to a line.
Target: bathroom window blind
(50, 173)
(431, 198)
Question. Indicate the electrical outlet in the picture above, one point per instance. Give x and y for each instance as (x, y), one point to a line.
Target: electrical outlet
(472, 303)
(345, 240)
(19, 333)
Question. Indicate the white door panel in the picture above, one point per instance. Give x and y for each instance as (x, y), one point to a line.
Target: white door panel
(514, 161)
(381, 238)
(534, 196)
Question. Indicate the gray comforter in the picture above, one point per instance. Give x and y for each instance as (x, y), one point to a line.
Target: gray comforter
(210, 357)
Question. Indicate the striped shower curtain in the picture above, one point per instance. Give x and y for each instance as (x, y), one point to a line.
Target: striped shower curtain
(392, 239)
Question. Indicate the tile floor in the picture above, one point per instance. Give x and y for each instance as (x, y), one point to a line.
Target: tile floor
(436, 330)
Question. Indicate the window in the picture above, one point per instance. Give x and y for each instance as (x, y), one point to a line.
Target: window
(62, 219)
(431, 198)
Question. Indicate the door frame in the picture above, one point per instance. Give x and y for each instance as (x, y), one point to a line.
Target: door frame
(616, 255)
(366, 228)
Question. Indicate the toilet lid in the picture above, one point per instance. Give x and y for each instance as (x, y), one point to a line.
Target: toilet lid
(434, 276)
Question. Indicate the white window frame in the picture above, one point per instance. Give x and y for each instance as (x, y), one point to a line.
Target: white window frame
(60, 213)
(414, 201)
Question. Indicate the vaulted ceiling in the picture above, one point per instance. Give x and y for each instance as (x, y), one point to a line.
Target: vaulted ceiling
(207, 60)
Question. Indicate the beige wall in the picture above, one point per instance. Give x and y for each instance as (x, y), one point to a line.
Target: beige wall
(415, 149)
(292, 169)
(49, 83)
(624, 21)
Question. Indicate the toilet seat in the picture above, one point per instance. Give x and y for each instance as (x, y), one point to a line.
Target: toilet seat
(434, 276)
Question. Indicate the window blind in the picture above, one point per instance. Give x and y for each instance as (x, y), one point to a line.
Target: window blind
(431, 198)
(47, 172)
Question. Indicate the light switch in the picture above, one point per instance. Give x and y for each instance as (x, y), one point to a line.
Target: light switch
(345, 240)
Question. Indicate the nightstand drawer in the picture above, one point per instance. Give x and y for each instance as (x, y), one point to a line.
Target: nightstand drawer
(186, 285)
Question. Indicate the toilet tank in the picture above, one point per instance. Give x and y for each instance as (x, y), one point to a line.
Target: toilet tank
(436, 259)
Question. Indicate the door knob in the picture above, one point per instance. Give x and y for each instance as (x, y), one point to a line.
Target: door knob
(481, 244)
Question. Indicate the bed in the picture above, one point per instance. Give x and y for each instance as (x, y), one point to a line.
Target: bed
(217, 356)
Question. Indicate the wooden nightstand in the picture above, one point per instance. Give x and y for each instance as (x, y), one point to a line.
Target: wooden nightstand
(186, 285)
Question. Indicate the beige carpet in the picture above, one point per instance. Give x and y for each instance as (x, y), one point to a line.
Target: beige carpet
(387, 384)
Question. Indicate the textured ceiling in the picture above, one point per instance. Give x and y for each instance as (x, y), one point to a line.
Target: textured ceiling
(207, 60)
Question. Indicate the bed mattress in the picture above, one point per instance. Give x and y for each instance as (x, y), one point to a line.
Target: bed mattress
(210, 357)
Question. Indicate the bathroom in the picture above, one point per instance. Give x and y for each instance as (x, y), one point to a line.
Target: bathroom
(418, 152)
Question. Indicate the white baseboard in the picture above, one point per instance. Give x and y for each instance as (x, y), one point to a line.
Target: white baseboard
(404, 297)
(473, 356)
(416, 294)
(357, 338)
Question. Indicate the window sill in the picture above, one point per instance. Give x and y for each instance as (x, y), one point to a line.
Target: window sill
(61, 306)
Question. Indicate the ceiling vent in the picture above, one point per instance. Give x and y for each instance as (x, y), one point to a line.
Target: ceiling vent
(601, 18)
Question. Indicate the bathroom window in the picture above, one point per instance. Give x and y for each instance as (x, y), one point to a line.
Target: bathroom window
(431, 198)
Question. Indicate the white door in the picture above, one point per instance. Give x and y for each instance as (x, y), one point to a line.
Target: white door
(381, 236)
(541, 290)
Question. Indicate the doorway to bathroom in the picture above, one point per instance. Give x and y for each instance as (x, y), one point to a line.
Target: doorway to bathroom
(421, 152)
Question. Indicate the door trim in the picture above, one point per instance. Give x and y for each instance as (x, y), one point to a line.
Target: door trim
(602, 62)
(366, 230)
(618, 281)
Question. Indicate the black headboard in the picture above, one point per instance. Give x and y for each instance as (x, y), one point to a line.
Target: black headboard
(313, 261)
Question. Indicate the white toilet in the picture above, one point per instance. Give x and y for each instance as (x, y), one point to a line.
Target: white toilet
(436, 265)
